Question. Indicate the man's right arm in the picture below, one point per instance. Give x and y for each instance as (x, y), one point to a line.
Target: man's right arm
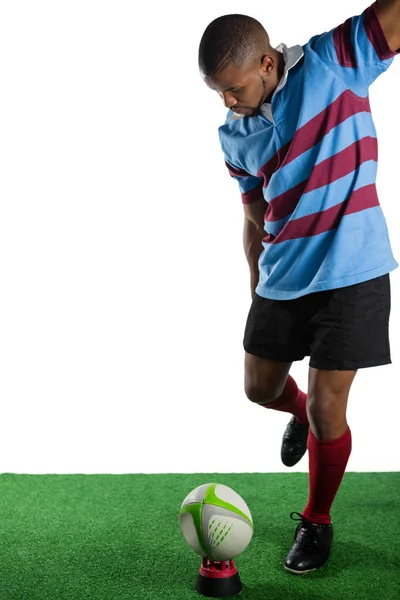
(251, 189)
(357, 51)
(253, 234)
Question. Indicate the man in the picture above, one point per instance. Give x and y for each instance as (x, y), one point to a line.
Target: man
(300, 140)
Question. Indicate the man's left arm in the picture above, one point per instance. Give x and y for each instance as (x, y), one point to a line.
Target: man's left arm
(388, 12)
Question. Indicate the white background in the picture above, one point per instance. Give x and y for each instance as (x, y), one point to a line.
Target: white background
(124, 286)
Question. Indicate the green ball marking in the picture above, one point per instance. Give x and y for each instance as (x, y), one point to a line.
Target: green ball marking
(210, 497)
(196, 511)
(224, 536)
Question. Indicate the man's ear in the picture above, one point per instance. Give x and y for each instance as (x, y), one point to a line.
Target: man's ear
(267, 64)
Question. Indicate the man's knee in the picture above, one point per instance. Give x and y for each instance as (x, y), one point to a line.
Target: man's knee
(328, 394)
(262, 393)
(327, 416)
(324, 410)
(264, 380)
(327, 402)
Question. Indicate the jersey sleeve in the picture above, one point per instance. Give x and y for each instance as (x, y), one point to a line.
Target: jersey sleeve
(357, 51)
(251, 188)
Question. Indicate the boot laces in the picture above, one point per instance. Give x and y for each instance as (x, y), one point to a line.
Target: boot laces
(311, 540)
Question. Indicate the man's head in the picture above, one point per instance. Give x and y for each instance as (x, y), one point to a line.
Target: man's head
(237, 61)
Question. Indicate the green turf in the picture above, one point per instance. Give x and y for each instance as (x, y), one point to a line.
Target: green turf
(116, 537)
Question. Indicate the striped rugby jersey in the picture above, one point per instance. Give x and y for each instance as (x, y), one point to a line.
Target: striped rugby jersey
(313, 155)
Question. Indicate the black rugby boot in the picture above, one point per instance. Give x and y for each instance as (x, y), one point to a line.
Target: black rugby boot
(294, 442)
(312, 546)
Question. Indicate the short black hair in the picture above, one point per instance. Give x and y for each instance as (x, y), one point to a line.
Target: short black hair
(229, 39)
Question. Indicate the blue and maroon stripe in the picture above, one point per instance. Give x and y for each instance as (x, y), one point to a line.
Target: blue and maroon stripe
(326, 172)
(317, 223)
(313, 132)
(343, 45)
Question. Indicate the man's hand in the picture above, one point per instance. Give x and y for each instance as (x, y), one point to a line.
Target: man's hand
(388, 12)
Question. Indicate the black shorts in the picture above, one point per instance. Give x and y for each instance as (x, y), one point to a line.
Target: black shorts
(344, 329)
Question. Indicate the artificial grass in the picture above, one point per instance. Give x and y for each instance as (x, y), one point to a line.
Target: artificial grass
(117, 537)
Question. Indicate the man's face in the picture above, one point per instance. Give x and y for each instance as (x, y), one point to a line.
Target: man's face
(245, 89)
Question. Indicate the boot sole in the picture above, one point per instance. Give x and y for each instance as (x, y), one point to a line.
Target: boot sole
(299, 572)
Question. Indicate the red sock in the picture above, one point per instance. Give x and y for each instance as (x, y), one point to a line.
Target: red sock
(327, 461)
(292, 400)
